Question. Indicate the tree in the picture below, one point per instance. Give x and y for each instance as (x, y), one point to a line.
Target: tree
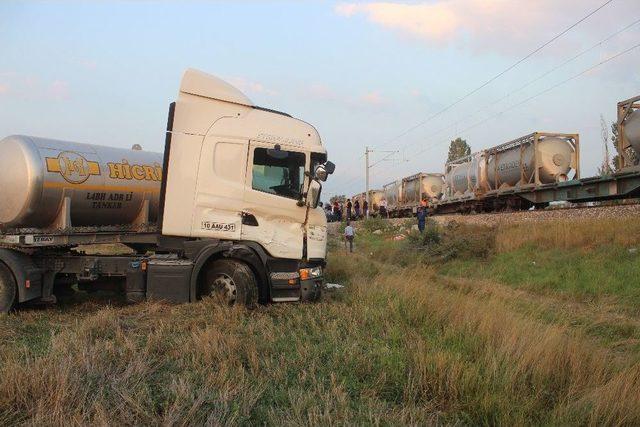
(457, 149)
(615, 161)
(605, 168)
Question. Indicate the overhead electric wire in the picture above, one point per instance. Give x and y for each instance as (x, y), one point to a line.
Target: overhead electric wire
(549, 89)
(500, 74)
(536, 79)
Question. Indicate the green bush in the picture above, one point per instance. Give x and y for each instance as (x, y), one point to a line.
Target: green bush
(454, 240)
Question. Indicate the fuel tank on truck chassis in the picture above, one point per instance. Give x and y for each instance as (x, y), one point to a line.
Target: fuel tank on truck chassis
(52, 184)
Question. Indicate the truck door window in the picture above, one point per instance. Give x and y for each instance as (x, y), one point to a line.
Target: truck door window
(317, 159)
(278, 172)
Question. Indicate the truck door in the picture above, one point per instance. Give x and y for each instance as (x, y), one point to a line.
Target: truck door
(221, 180)
(274, 185)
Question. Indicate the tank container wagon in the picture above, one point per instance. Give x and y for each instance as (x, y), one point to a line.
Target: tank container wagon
(629, 133)
(489, 180)
(375, 196)
(421, 189)
(229, 209)
(393, 196)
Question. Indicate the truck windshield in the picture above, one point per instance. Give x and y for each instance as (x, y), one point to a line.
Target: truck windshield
(278, 172)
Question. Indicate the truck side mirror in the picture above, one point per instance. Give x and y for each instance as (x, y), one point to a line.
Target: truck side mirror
(313, 195)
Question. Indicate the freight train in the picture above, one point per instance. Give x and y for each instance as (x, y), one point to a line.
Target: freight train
(531, 171)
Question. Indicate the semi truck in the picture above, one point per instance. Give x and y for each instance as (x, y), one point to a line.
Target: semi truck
(230, 209)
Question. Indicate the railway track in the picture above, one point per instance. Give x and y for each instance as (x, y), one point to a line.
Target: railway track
(500, 218)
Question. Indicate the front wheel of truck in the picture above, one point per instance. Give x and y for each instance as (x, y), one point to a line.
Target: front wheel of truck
(231, 282)
(7, 289)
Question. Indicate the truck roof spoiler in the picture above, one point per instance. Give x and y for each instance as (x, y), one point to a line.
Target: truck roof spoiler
(195, 82)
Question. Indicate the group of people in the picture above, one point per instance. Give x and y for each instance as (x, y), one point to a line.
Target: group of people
(347, 210)
(350, 211)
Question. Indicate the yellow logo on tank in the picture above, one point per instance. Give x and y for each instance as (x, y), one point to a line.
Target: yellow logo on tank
(124, 170)
(73, 167)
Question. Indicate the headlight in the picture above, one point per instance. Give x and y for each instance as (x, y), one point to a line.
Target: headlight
(310, 273)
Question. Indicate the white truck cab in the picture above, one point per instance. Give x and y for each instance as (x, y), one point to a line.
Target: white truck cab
(241, 172)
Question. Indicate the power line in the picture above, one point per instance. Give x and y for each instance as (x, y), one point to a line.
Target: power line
(536, 79)
(549, 89)
(500, 74)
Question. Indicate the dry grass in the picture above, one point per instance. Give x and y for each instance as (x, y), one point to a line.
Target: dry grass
(400, 345)
(569, 234)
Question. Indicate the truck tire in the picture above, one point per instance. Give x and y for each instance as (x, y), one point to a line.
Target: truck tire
(231, 282)
(7, 289)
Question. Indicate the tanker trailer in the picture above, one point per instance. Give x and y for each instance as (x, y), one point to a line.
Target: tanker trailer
(629, 131)
(50, 184)
(538, 158)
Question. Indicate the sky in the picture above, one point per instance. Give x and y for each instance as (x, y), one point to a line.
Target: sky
(363, 73)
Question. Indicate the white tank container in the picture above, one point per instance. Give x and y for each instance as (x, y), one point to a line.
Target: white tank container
(631, 130)
(465, 177)
(392, 193)
(104, 185)
(554, 161)
(419, 186)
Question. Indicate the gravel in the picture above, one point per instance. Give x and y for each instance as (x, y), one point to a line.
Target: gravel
(502, 218)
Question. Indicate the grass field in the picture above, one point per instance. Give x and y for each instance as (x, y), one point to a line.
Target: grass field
(534, 324)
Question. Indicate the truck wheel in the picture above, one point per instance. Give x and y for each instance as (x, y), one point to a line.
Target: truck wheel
(7, 289)
(232, 282)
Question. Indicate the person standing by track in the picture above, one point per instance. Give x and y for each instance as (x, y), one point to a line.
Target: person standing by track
(356, 209)
(349, 235)
(349, 209)
(365, 208)
(422, 218)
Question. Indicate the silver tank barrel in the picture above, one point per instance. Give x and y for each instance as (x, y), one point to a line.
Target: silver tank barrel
(554, 161)
(422, 185)
(631, 130)
(104, 185)
(392, 194)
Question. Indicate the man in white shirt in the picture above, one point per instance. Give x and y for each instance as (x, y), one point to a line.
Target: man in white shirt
(349, 234)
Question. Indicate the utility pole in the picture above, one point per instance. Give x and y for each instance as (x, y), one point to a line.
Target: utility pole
(366, 186)
(367, 151)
